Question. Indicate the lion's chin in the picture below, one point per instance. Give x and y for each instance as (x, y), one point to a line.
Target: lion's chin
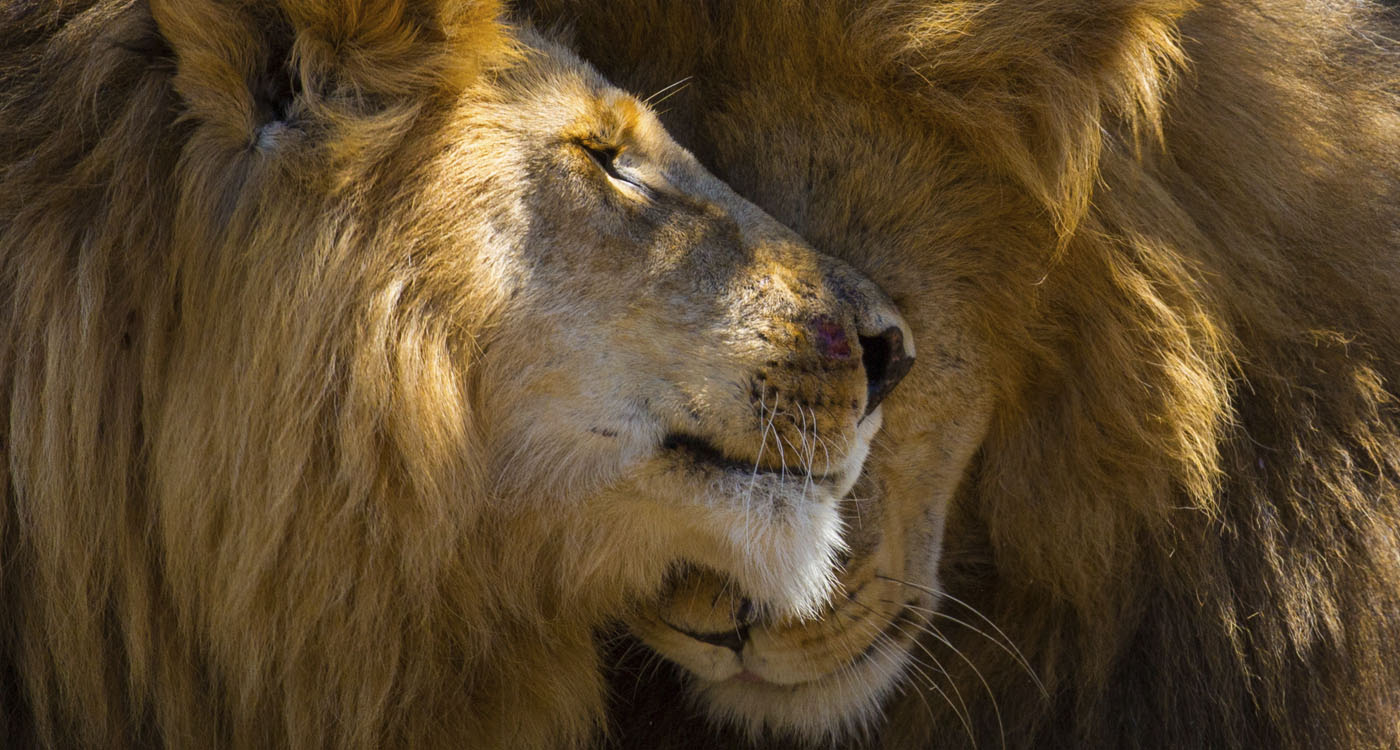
(777, 535)
(820, 680)
(837, 705)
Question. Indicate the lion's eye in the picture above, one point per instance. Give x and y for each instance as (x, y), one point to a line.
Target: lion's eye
(603, 157)
(606, 159)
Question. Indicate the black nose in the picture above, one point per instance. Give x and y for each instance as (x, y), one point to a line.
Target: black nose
(887, 360)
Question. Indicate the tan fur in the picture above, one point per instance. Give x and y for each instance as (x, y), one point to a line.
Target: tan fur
(360, 357)
(1149, 249)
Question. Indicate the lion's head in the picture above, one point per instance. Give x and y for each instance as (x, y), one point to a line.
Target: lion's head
(362, 355)
(1141, 488)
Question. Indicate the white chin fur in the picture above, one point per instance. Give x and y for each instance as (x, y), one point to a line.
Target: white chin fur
(790, 566)
(784, 534)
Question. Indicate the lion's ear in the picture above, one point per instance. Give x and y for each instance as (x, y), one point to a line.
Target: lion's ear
(240, 64)
(384, 46)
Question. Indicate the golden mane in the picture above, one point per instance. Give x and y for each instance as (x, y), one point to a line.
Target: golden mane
(111, 208)
(1180, 221)
(1222, 383)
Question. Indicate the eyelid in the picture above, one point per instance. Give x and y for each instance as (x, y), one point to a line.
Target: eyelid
(602, 156)
(606, 159)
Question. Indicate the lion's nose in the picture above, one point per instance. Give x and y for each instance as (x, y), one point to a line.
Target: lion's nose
(887, 360)
(887, 355)
(885, 340)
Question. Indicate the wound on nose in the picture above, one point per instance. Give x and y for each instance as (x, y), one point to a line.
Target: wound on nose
(830, 338)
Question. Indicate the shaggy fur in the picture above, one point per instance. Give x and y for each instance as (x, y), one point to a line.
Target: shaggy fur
(347, 343)
(1168, 235)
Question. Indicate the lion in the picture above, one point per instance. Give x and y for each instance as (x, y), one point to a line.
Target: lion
(1142, 488)
(362, 357)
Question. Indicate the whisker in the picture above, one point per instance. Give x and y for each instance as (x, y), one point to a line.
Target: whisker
(650, 671)
(674, 88)
(763, 438)
(965, 715)
(1006, 641)
(753, 479)
(826, 453)
(782, 454)
(1007, 646)
(921, 671)
(849, 672)
(933, 630)
(807, 451)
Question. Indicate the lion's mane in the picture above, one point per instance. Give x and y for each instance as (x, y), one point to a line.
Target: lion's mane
(1191, 516)
(270, 536)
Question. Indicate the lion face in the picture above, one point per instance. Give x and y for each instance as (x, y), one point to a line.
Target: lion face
(662, 349)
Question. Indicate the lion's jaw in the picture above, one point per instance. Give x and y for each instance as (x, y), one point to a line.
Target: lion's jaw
(818, 680)
(827, 678)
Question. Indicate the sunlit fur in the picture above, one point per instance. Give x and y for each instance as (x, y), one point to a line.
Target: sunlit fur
(337, 370)
(1150, 251)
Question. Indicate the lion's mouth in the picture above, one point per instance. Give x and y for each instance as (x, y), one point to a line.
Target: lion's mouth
(700, 452)
(894, 636)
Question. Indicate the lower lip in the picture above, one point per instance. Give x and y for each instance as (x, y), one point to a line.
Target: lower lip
(749, 677)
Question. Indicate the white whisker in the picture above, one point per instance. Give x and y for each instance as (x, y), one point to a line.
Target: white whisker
(673, 88)
(1006, 642)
